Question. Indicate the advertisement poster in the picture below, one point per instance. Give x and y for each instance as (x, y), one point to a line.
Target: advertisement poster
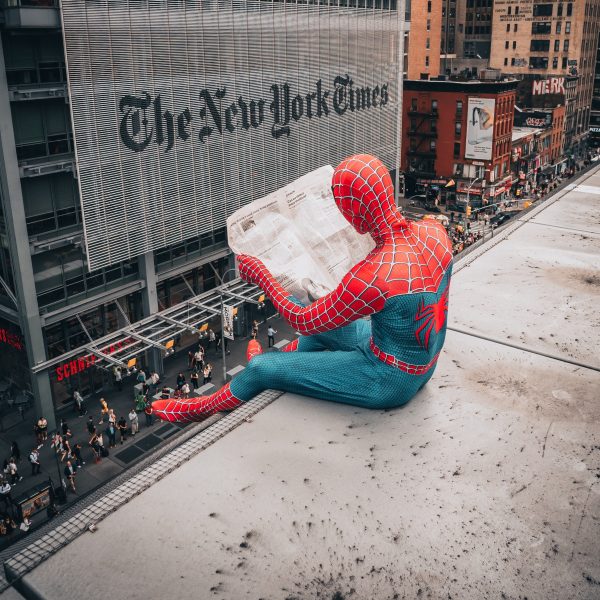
(228, 321)
(480, 128)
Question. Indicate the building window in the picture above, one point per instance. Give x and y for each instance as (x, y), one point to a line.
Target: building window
(427, 43)
(564, 62)
(555, 62)
(566, 46)
(512, 62)
(428, 24)
(506, 45)
(459, 107)
(505, 61)
(558, 27)
(413, 125)
(429, 6)
(508, 28)
(514, 45)
(427, 61)
(569, 9)
(510, 10)
(568, 27)
(560, 10)
(515, 27)
(413, 104)
(457, 128)
(544, 27)
(434, 106)
(543, 10)
(432, 144)
(516, 10)
(456, 149)
(540, 45)
(556, 45)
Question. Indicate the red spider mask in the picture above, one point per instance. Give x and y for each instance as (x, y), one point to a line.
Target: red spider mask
(363, 191)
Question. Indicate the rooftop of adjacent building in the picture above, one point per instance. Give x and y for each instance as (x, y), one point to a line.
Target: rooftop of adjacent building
(519, 133)
(486, 484)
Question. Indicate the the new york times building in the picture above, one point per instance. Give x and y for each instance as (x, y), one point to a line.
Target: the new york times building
(181, 112)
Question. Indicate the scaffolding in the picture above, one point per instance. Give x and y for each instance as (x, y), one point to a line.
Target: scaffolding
(159, 331)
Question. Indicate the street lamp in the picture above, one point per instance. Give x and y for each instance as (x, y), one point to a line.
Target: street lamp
(469, 189)
(221, 279)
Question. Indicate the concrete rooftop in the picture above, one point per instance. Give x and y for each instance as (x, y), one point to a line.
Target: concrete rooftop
(486, 485)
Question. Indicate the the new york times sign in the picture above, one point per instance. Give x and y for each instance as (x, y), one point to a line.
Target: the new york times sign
(145, 119)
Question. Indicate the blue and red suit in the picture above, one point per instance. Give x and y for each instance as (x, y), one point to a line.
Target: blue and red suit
(402, 285)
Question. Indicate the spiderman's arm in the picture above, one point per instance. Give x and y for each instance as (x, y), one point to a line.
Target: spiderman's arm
(360, 294)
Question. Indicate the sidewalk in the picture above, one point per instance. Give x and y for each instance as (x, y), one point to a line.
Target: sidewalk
(92, 475)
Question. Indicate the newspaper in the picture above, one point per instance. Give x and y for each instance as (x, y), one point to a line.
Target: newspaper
(300, 235)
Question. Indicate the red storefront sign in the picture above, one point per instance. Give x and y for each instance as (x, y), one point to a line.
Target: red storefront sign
(77, 365)
(12, 339)
(463, 188)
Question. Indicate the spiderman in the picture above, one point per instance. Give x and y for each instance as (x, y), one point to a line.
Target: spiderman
(402, 285)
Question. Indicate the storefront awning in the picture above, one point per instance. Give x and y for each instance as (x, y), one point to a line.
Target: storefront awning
(158, 331)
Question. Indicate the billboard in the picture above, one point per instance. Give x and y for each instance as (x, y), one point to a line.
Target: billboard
(185, 111)
(480, 128)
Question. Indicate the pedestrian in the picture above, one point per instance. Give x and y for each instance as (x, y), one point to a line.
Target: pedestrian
(43, 428)
(5, 494)
(38, 434)
(79, 403)
(26, 524)
(180, 380)
(154, 379)
(141, 376)
(165, 393)
(70, 475)
(112, 417)
(212, 338)
(8, 525)
(191, 360)
(13, 470)
(111, 432)
(15, 452)
(103, 410)
(100, 439)
(118, 375)
(34, 459)
(94, 444)
(194, 378)
(271, 335)
(77, 455)
(199, 358)
(185, 390)
(148, 410)
(254, 329)
(64, 426)
(122, 427)
(207, 374)
(66, 448)
(90, 425)
(134, 422)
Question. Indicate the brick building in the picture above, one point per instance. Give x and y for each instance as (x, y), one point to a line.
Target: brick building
(456, 140)
(423, 39)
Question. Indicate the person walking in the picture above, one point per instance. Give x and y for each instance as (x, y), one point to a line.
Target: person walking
(95, 446)
(70, 475)
(194, 378)
(141, 376)
(103, 411)
(134, 422)
(64, 427)
(13, 471)
(111, 432)
(185, 390)
(148, 410)
(180, 380)
(77, 455)
(79, 403)
(199, 358)
(43, 428)
(122, 427)
(118, 375)
(212, 339)
(5, 494)
(254, 329)
(34, 459)
(15, 452)
(90, 425)
(207, 374)
(271, 335)
(112, 417)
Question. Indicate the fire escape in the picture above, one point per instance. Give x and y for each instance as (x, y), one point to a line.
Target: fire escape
(422, 139)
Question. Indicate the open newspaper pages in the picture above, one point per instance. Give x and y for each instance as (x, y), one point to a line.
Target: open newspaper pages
(300, 235)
